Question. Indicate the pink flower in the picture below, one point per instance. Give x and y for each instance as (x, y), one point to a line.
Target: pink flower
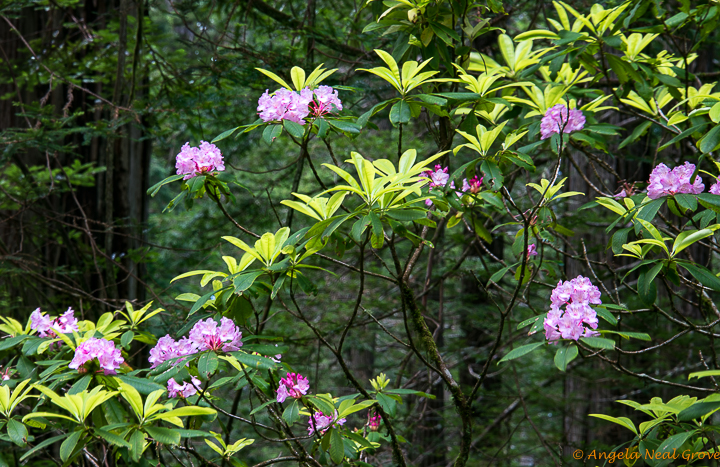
(184, 390)
(66, 323)
(207, 336)
(438, 177)
(103, 350)
(46, 327)
(715, 188)
(664, 181)
(373, 421)
(557, 120)
(474, 186)
(192, 161)
(292, 385)
(621, 195)
(326, 100)
(320, 423)
(40, 323)
(5, 375)
(531, 250)
(167, 349)
(285, 104)
(576, 296)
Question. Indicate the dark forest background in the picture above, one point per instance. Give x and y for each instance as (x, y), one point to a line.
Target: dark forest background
(98, 96)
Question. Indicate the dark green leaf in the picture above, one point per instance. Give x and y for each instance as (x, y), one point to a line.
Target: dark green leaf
(520, 351)
(68, 446)
(291, 414)
(17, 431)
(337, 449)
(697, 410)
(599, 342)
(112, 438)
(400, 113)
(207, 364)
(705, 277)
(254, 361)
(565, 355)
(163, 435)
(295, 129)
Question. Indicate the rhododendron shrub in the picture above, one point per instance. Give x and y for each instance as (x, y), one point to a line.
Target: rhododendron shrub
(478, 194)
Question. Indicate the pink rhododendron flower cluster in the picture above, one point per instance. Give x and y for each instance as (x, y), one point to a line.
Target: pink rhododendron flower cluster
(184, 390)
(46, 327)
(531, 250)
(285, 104)
(109, 357)
(664, 181)
(192, 161)
(208, 336)
(5, 375)
(373, 421)
(167, 349)
(326, 101)
(473, 186)
(715, 188)
(559, 120)
(321, 423)
(205, 335)
(576, 296)
(292, 385)
(438, 177)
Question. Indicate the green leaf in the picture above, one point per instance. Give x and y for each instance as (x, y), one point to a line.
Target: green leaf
(674, 442)
(271, 132)
(345, 126)
(126, 339)
(224, 135)
(294, 129)
(153, 190)
(565, 355)
(143, 385)
(337, 448)
(529, 321)
(683, 135)
(645, 282)
(260, 407)
(606, 315)
(710, 141)
(43, 445)
(407, 215)
(291, 414)
(245, 280)
(68, 446)
(322, 405)
(254, 361)
(697, 411)
(705, 277)
(80, 385)
(400, 113)
(599, 342)
(520, 351)
(639, 130)
(17, 431)
(207, 364)
(137, 440)
(702, 374)
(163, 435)
(112, 438)
(622, 421)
